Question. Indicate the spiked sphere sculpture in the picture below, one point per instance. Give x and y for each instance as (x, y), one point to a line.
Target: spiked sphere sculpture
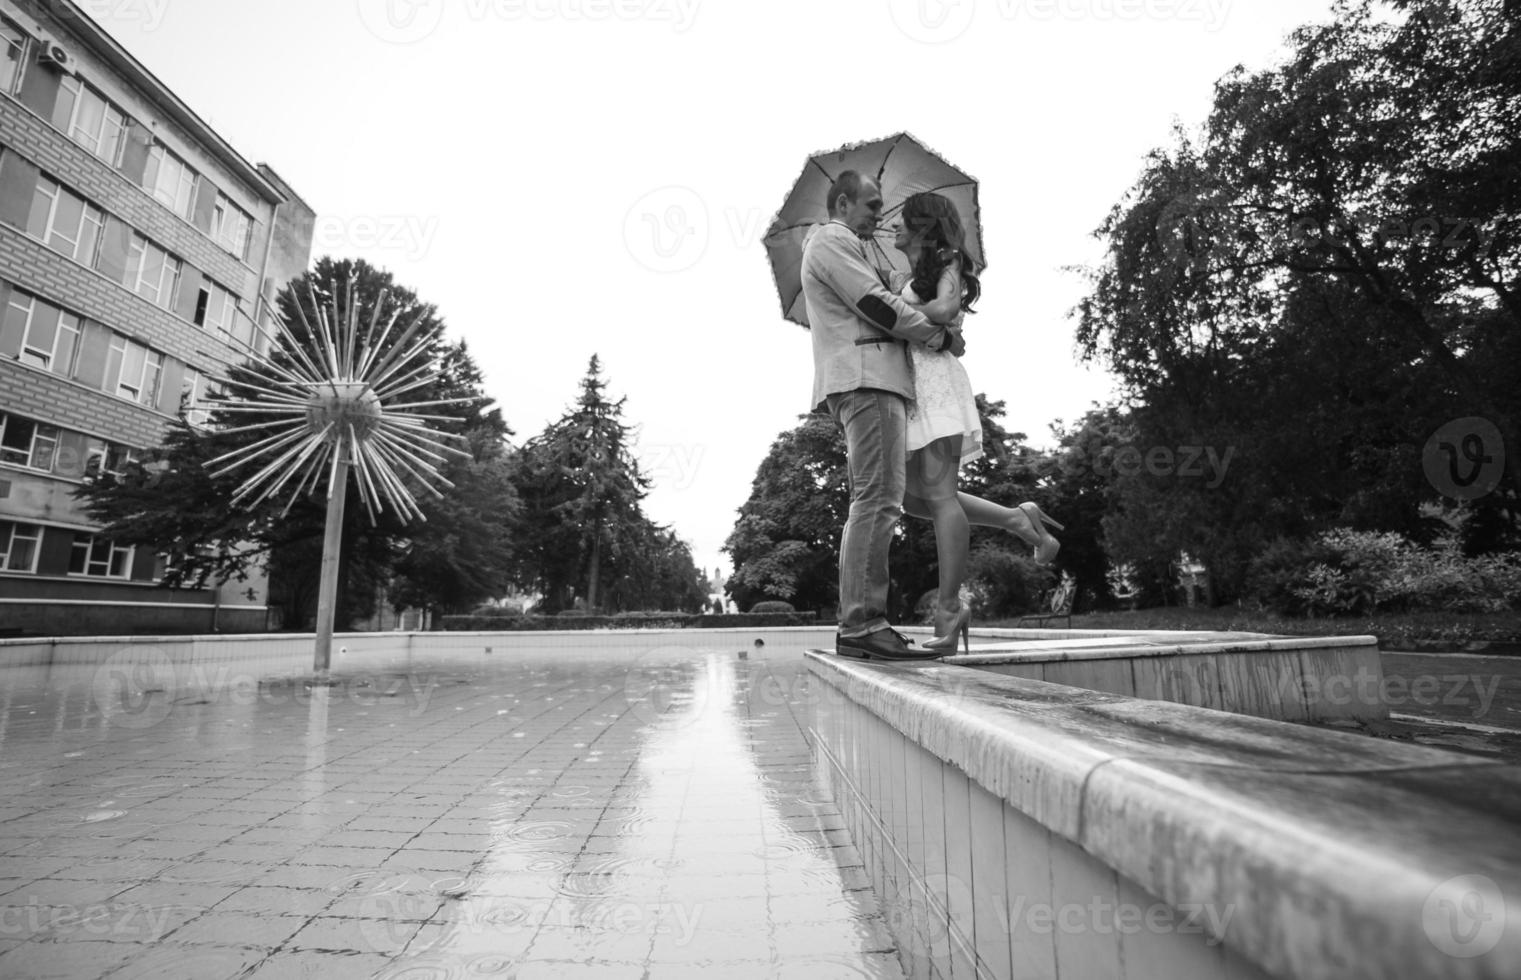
(334, 408)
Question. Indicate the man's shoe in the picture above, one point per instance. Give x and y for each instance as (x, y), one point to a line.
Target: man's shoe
(886, 644)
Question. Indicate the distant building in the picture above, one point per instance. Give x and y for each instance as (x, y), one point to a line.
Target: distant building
(139, 253)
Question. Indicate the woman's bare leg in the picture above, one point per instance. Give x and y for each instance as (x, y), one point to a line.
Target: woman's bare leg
(985, 513)
(932, 493)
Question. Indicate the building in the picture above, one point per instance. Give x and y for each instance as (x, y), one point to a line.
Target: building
(139, 253)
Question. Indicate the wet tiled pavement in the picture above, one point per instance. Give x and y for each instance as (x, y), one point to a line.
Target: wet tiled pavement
(549, 813)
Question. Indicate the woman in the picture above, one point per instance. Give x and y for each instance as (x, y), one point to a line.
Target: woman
(944, 429)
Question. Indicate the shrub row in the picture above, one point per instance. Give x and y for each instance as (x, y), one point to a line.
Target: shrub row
(1345, 573)
(630, 620)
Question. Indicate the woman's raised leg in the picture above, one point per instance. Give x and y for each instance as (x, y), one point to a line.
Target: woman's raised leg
(932, 493)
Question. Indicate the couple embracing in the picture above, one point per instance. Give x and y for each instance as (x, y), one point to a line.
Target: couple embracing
(886, 366)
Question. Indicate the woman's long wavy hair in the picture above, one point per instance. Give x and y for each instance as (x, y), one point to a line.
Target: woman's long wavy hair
(932, 220)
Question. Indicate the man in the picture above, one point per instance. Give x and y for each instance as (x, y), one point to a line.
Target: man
(862, 375)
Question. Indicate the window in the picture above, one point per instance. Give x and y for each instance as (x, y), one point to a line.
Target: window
(230, 226)
(12, 56)
(173, 180)
(98, 557)
(216, 308)
(19, 546)
(27, 443)
(200, 391)
(116, 459)
(133, 371)
(194, 388)
(90, 120)
(108, 457)
(152, 273)
(49, 336)
(65, 221)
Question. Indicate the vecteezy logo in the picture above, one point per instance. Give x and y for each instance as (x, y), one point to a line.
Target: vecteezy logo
(134, 688)
(667, 229)
(932, 21)
(1194, 229)
(667, 686)
(1465, 458)
(1464, 916)
(401, 21)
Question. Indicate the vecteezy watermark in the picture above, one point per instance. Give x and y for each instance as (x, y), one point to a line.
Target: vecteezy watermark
(1202, 229)
(409, 21)
(669, 686)
(389, 918)
(139, 687)
(932, 21)
(667, 229)
(1104, 917)
(1465, 916)
(672, 466)
(939, 21)
(1370, 687)
(1184, 462)
(28, 916)
(921, 911)
(410, 234)
(1465, 458)
(150, 13)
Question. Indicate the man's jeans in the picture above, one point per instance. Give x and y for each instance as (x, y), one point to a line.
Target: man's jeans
(874, 422)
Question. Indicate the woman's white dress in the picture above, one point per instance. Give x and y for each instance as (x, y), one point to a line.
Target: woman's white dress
(943, 404)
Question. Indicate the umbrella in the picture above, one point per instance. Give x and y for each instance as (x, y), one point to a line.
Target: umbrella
(902, 166)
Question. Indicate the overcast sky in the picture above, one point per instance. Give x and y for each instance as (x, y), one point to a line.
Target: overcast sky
(569, 177)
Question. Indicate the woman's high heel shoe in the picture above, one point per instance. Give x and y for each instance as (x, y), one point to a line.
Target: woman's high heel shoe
(1047, 546)
(961, 623)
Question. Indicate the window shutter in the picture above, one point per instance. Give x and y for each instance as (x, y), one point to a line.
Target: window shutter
(18, 185)
(56, 550)
(191, 280)
(134, 156)
(94, 345)
(169, 386)
(205, 204)
(114, 243)
(39, 89)
(142, 563)
(10, 332)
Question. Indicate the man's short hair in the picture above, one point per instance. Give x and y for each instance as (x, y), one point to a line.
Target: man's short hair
(849, 184)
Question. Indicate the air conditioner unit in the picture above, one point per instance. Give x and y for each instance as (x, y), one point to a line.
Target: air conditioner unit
(55, 54)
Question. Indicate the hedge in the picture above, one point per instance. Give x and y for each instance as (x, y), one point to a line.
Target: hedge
(633, 620)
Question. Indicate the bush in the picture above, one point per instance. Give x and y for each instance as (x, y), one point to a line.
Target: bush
(772, 606)
(1346, 572)
(1003, 583)
(636, 620)
(1284, 566)
(497, 612)
(638, 614)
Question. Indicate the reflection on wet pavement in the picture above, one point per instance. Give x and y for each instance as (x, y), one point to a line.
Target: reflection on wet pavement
(549, 813)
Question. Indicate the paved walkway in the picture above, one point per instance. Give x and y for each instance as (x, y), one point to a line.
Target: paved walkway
(555, 814)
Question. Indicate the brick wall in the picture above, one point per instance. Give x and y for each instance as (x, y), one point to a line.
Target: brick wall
(48, 398)
(33, 266)
(36, 140)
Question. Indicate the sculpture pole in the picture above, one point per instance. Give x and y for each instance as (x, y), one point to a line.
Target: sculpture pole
(332, 543)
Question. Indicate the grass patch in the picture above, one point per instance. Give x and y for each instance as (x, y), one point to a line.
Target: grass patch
(1425, 630)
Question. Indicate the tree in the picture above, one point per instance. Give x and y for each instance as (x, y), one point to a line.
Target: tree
(173, 503)
(785, 543)
(1320, 281)
(581, 488)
